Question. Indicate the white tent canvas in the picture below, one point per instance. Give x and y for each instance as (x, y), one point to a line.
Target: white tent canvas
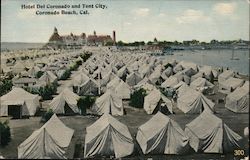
(155, 76)
(207, 133)
(109, 102)
(28, 102)
(209, 72)
(79, 79)
(238, 100)
(107, 78)
(114, 82)
(167, 73)
(230, 85)
(145, 85)
(151, 101)
(145, 70)
(33, 71)
(108, 137)
(170, 82)
(185, 65)
(122, 72)
(201, 84)
(123, 90)
(90, 87)
(193, 101)
(58, 104)
(50, 141)
(48, 77)
(197, 75)
(162, 135)
(18, 67)
(225, 75)
(133, 79)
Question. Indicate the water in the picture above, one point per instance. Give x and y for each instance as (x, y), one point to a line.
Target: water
(19, 45)
(216, 58)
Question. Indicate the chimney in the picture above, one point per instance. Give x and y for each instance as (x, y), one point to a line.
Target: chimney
(114, 38)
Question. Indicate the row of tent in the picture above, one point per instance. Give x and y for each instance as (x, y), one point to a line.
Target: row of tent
(43, 60)
(135, 68)
(189, 101)
(112, 67)
(109, 137)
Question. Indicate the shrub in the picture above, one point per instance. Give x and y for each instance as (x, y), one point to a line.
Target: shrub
(8, 60)
(124, 77)
(85, 56)
(66, 74)
(5, 86)
(47, 91)
(137, 98)
(74, 67)
(5, 135)
(168, 65)
(47, 115)
(39, 74)
(84, 103)
(79, 63)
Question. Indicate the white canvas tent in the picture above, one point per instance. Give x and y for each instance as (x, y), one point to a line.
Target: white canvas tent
(79, 79)
(144, 85)
(151, 102)
(33, 71)
(48, 77)
(28, 102)
(230, 85)
(155, 76)
(123, 90)
(225, 75)
(167, 73)
(201, 84)
(246, 85)
(107, 78)
(182, 89)
(109, 102)
(145, 70)
(122, 72)
(50, 141)
(209, 72)
(238, 100)
(192, 101)
(90, 87)
(162, 135)
(18, 67)
(65, 102)
(185, 65)
(108, 137)
(181, 76)
(197, 75)
(113, 83)
(170, 82)
(207, 133)
(133, 79)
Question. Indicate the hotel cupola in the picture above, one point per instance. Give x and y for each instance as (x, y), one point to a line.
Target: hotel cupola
(55, 36)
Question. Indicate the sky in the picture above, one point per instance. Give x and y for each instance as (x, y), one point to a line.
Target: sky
(133, 20)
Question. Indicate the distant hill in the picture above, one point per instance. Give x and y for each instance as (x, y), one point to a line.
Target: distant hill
(19, 45)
